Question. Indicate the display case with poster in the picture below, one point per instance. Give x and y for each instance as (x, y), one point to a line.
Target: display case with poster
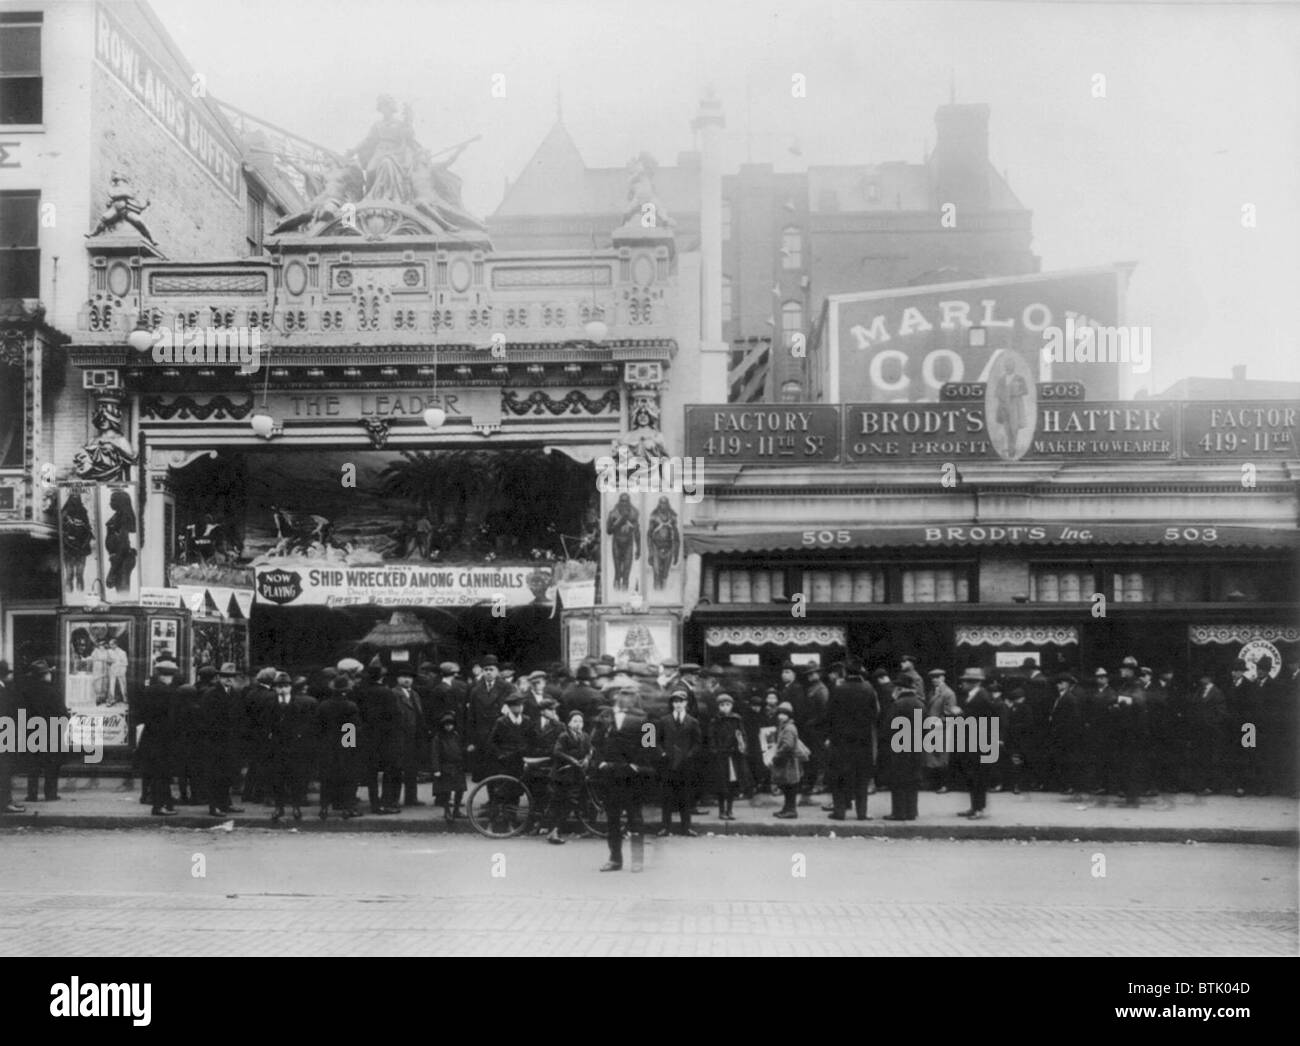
(106, 655)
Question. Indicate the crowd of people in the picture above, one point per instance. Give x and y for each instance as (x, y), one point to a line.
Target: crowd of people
(687, 736)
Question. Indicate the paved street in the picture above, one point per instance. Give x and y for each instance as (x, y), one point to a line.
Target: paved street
(65, 892)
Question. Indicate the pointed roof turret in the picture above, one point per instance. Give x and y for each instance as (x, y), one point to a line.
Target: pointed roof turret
(554, 180)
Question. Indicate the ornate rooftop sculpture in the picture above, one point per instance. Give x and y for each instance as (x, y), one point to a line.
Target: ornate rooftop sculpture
(389, 185)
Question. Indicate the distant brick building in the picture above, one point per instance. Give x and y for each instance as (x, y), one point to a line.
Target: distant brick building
(791, 239)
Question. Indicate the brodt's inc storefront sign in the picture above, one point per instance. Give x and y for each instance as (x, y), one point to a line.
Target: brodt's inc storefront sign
(402, 585)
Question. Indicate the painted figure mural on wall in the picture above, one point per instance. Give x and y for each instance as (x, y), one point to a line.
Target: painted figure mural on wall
(623, 525)
(108, 457)
(664, 541)
(122, 207)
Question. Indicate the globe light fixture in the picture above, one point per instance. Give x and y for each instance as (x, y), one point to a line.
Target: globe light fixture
(434, 417)
(262, 422)
(142, 338)
(597, 330)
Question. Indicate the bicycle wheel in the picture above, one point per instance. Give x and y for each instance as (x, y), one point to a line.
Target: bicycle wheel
(500, 806)
(591, 809)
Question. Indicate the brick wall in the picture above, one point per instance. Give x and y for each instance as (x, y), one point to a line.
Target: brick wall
(190, 216)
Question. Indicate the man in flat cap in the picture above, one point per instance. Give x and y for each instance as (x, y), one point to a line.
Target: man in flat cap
(259, 720)
(446, 697)
(908, 676)
(681, 745)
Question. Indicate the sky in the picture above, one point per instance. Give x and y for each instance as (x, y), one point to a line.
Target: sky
(1200, 116)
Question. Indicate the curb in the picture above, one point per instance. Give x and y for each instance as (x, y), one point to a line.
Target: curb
(957, 833)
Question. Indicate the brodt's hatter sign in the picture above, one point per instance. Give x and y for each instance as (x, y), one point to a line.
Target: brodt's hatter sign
(323, 584)
(903, 345)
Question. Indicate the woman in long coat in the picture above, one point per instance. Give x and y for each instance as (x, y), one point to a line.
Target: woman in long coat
(727, 749)
(787, 763)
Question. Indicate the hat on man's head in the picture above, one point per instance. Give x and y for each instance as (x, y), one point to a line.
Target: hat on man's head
(853, 666)
(329, 673)
(585, 674)
(228, 669)
(785, 707)
(449, 717)
(1064, 677)
(902, 692)
(490, 660)
(810, 669)
(163, 668)
(1145, 671)
(267, 676)
(548, 702)
(283, 679)
(789, 665)
(1129, 662)
(507, 666)
(40, 666)
(690, 668)
(340, 684)
(725, 699)
(880, 675)
(449, 668)
(1239, 665)
(403, 670)
(1101, 673)
(937, 673)
(907, 657)
(426, 667)
(534, 676)
(515, 698)
(670, 663)
(207, 672)
(350, 665)
(678, 695)
(973, 675)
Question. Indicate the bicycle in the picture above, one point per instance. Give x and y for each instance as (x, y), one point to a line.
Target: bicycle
(502, 806)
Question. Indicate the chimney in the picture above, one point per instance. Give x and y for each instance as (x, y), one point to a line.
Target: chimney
(961, 157)
(1239, 372)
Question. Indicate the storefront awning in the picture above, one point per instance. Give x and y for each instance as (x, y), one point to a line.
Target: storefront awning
(964, 535)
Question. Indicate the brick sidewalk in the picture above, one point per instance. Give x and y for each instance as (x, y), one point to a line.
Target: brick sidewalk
(105, 803)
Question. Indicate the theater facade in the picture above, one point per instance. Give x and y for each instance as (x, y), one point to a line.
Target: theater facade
(380, 437)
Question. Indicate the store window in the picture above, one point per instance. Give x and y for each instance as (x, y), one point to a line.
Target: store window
(21, 87)
(255, 222)
(11, 414)
(944, 584)
(1062, 583)
(791, 248)
(20, 253)
(1157, 583)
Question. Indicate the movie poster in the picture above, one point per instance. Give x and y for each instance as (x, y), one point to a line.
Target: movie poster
(98, 656)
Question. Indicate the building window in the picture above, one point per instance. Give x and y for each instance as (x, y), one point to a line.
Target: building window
(726, 220)
(11, 414)
(791, 321)
(726, 299)
(791, 248)
(20, 69)
(20, 254)
(255, 223)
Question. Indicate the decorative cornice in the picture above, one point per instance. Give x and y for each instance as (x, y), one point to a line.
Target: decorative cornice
(1015, 635)
(1201, 635)
(777, 635)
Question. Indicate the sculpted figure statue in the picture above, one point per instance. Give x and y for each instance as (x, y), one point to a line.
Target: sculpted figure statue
(109, 456)
(122, 207)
